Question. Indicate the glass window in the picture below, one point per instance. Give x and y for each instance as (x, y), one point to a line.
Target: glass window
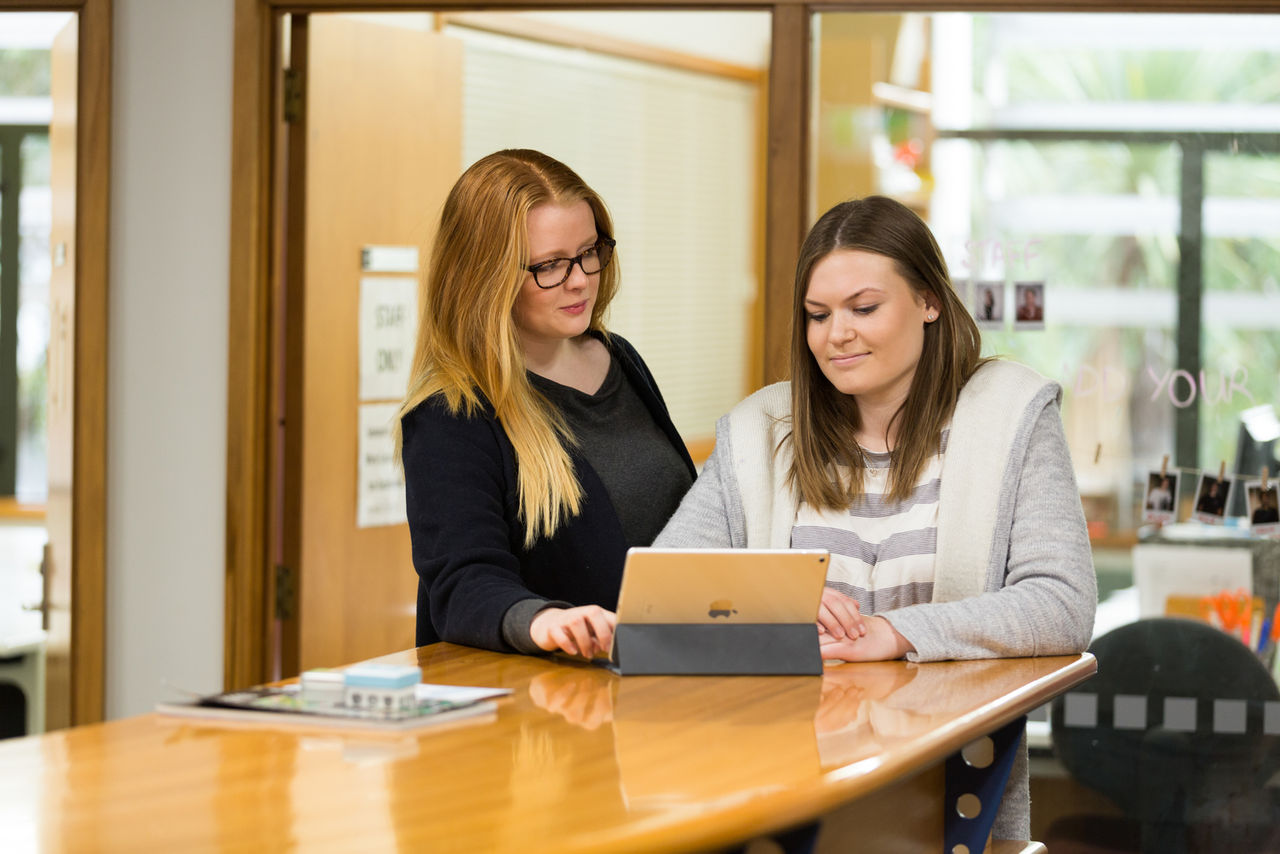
(25, 111)
(1241, 292)
(1077, 151)
(1129, 165)
(33, 318)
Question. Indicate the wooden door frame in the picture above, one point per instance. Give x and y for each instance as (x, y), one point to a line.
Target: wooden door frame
(89, 436)
(249, 427)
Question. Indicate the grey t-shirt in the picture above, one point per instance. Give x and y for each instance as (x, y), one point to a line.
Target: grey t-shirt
(643, 474)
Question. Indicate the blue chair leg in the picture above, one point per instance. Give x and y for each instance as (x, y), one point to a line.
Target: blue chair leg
(987, 784)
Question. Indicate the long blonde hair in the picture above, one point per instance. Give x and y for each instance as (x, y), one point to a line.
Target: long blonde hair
(468, 351)
(824, 421)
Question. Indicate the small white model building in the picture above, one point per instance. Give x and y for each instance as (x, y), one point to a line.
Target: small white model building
(324, 687)
(385, 688)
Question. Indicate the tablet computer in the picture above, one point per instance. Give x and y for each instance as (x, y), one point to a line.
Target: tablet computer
(720, 611)
(722, 585)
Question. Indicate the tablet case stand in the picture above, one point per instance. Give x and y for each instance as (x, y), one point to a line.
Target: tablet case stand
(695, 649)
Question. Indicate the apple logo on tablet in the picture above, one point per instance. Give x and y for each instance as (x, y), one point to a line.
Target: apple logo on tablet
(721, 608)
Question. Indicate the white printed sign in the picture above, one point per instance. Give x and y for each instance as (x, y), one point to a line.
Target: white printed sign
(388, 327)
(380, 485)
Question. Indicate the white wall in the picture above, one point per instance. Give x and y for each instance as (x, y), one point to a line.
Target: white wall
(167, 414)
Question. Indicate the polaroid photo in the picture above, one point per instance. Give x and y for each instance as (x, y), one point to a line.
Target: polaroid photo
(988, 304)
(1160, 504)
(1264, 507)
(1213, 497)
(1028, 305)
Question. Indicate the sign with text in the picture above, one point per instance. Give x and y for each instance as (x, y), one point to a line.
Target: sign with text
(379, 483)
(388, 326)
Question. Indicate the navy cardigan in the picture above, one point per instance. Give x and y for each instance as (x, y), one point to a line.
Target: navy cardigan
(468, 539)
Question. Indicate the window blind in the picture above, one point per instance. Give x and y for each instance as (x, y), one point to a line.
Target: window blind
(673, 154)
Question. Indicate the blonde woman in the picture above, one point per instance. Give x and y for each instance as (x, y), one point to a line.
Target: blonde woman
(940, 481)
(536, 446)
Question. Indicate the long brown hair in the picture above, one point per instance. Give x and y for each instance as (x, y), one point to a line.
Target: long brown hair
(824, 421)
(468, 349)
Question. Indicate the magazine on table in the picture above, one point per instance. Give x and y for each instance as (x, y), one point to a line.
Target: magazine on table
(433, 704)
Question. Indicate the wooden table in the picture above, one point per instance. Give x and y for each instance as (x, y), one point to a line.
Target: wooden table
(577, 759)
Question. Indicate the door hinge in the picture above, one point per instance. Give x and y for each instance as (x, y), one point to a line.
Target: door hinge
(292, 95)
(286, 593)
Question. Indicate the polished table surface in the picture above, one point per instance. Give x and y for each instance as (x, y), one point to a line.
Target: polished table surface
(576, 759)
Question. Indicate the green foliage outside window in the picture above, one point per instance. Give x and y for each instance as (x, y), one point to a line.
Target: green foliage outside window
(24, 72)
(1020, 186)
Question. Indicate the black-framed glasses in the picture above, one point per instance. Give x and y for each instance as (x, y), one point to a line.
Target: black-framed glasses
(555, 272)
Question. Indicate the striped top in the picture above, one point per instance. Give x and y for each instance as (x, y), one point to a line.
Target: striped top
(882, 551)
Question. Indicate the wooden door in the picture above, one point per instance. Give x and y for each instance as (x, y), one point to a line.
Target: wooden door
(61, 377)
(379, 137)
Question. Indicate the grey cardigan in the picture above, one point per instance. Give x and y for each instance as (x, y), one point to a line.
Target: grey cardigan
(1014, 573)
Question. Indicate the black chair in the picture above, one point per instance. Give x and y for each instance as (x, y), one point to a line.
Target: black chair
(1183, 784)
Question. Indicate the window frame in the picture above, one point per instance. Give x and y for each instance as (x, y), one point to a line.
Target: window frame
(84, 498)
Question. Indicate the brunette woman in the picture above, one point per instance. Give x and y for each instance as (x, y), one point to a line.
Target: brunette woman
(939, 481)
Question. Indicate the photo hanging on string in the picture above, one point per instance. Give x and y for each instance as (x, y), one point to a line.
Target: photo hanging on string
(1264, 508)
(1161, 501)
(1213, 497)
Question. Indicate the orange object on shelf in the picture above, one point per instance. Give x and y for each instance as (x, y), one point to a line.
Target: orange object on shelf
(1235, 612)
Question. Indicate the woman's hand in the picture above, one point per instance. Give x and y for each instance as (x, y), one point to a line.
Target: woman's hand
(586, 630)
(882, 642)
(839, 617)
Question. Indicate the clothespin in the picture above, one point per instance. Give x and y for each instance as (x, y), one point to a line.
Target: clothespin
(1164, 467)
(1264, 478)
(1097, 453)
(1222, 470)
